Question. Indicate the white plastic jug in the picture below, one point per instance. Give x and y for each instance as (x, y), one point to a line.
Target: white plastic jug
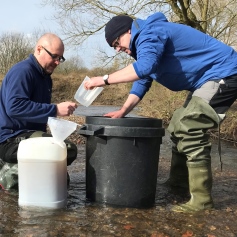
(42, 172)
(86, 97)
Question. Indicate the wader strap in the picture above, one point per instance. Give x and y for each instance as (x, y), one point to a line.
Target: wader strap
(219, 145)
(221, 117)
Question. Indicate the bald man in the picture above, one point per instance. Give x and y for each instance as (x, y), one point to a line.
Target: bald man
(25, 105)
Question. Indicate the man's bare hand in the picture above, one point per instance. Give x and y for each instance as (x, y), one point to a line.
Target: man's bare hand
(66, 108)
(115, 114)
(94, 82)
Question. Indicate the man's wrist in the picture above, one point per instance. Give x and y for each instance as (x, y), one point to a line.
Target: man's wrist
(105, 78)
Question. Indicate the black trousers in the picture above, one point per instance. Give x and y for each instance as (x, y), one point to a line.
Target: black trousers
(219, 94)
(9, 148)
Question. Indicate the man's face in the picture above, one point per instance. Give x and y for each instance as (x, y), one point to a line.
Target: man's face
(51, 57)
(122, 43)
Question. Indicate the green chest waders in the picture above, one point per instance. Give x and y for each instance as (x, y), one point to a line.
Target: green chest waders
(189, 132)
(178, 176)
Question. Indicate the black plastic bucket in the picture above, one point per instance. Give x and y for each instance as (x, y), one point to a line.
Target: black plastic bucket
(122, 157)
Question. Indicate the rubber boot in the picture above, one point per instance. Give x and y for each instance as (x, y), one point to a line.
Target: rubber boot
(190, 131)
(178, 176)
(200, 185)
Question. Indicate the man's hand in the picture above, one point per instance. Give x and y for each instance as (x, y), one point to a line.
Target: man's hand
(94, 82)
(66, 108)
(115, 114)
(130, 103)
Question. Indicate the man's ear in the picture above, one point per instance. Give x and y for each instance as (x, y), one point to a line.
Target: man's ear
(38, 49)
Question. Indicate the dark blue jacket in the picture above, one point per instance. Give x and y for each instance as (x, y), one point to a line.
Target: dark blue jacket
(177, 56)
(25, 99)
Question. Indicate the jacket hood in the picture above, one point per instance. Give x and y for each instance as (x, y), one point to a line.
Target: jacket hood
(138, 25)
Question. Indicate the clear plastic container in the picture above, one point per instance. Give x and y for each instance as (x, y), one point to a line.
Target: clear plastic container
(86, 97)
(61, 128)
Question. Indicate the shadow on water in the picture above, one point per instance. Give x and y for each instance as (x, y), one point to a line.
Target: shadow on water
(85, 219)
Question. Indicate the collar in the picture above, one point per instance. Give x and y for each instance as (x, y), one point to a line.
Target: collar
(43, 72)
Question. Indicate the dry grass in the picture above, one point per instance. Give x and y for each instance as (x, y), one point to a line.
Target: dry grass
(159, 102)
(65, 86)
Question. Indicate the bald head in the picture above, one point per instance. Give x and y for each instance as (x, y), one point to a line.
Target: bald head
(49, 39)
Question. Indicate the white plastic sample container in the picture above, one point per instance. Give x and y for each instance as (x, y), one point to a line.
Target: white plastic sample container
(42, 173)
(86, 97)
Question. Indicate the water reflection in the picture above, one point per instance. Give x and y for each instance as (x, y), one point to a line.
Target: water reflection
(85, 219)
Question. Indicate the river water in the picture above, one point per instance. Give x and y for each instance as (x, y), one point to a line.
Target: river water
(85, 219)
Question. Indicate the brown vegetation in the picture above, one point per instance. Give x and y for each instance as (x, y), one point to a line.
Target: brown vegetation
(159, 102)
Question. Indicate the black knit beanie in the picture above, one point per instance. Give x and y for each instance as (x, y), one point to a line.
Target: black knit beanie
(117, 26)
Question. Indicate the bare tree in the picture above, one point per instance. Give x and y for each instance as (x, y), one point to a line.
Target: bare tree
(14, 47)
(216, 18)
(80, 19)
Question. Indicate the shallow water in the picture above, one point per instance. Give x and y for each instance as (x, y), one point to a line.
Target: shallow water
(100, 110)
(85, 219)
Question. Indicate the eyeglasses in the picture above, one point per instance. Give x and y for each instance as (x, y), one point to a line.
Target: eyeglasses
(55, 57)
(116, 43)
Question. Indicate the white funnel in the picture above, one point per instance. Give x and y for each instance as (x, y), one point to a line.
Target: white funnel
(61, 128)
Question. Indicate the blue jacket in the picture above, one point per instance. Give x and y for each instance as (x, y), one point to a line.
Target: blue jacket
(25, 98)
(177, 56)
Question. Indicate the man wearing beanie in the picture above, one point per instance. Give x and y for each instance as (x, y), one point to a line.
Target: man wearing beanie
(180, 58)
(116, 27)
